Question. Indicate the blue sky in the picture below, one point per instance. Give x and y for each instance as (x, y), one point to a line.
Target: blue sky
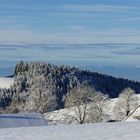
(69, 21)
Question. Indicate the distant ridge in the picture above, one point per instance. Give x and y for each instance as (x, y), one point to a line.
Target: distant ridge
(125, 72)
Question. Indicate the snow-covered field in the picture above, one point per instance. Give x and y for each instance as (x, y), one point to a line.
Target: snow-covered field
(105, 131)
(6, 82)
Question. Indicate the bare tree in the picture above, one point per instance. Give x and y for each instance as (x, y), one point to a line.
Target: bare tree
(85, 105)
(126, 103)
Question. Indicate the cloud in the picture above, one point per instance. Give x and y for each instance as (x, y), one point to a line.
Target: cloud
(6, 20)
(20, 36)
(73, 35)
(134, 51)
(98, 8)
(65, 10)
(126, 19)
(70, 7)
(8, 49)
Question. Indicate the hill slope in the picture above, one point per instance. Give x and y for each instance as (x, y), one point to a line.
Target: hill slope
(65, 77)
(110, 131)
(32, 78)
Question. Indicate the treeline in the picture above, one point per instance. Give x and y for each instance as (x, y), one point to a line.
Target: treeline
(36, 84)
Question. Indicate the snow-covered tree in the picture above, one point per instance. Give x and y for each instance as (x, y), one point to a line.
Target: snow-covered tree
(41, 97)
(98, 108)
(85, 105)
(126, 103)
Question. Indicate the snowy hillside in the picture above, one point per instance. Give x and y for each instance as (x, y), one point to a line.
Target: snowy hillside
(109, 131)
(59, 117)
(6, 82)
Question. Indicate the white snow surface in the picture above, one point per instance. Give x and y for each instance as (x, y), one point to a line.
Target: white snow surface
(104, 131)
(6, 82)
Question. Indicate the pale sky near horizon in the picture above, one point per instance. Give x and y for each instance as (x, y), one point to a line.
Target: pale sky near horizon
(69, 21)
